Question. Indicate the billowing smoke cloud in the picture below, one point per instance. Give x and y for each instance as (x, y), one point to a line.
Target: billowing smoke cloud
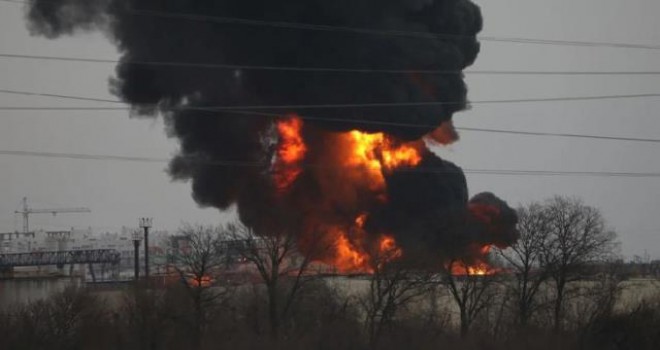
(227, 154)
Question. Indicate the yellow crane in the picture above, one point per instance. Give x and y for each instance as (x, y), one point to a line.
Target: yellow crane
(26, 211)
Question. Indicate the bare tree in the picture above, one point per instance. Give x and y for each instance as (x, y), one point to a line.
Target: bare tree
(197, 256)
(70, 319)
(392, 286)
(142, 319)
(577, 238)
(525, 259)
(281, 266)
(473, 293)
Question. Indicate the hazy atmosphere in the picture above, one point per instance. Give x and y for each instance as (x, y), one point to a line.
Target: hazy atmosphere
(329, 174)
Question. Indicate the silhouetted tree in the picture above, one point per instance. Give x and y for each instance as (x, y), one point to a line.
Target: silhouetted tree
(577, 237)
(525, 259)
(392, 286)
(473, 293)
(280, 265)
(198, 256)
(72, 319)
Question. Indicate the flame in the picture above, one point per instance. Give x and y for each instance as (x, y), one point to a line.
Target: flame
(352, 251)
(373, 152)
(290, 152)
(361, 161)
(376, 151)
(350, 255)
(475, 269)
(480, 269)
(350, 258)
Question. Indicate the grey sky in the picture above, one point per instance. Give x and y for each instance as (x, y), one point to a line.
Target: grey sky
(119, 192)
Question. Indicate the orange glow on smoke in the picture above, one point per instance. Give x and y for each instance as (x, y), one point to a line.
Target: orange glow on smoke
(484, 212)
(444, 134)
(388, 248)
(291, 150)
(360, 220)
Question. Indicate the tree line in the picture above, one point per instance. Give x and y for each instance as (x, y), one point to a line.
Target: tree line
(560, 285)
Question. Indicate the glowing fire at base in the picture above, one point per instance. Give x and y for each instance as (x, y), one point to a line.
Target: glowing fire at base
(352, 255)
(479, 267)
(350, 258)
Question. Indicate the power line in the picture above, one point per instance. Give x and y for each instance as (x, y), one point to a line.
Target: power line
(321, 69)
(560, 173)
(82, 156)
(554, 134)
(509, 172)
(368, 31)
(314, 106)
(333, 119)
(67, 97)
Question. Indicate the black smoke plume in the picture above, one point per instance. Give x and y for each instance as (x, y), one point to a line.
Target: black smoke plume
(224, 153)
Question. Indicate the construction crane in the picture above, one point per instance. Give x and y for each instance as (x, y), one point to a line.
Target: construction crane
(27, 211)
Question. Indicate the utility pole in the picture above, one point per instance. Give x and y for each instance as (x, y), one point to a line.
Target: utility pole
(145, 223)
(136, 255)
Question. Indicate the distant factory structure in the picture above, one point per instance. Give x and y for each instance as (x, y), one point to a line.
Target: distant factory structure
(86, 239)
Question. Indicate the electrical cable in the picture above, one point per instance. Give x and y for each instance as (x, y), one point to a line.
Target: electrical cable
(223, 163)
(320, 69)
(341, 120)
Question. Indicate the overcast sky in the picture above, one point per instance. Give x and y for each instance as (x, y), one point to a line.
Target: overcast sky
(120, 192)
